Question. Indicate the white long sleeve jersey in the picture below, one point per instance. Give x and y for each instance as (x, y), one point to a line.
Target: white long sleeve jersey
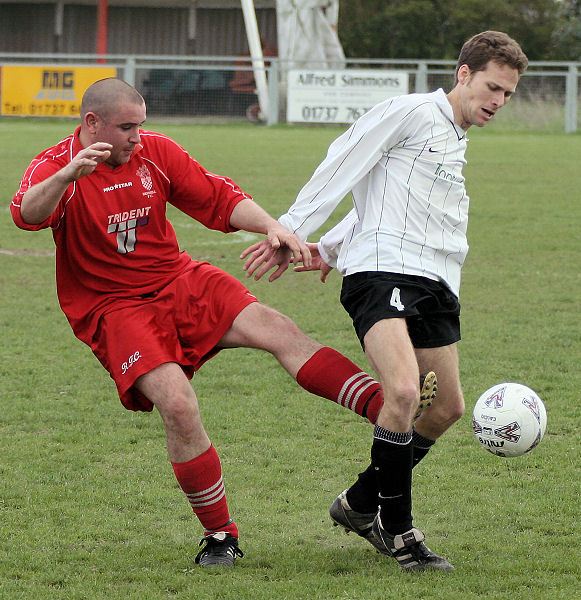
(403, 163)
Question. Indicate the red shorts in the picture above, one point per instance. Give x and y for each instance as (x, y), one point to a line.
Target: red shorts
(182, 323)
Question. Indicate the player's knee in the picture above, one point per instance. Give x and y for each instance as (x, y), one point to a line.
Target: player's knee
(283, 324)
(286, 334)
(181, 414)
(457, 409)
(448, 410)
(179, 409)
(404, 394)
(270, 320)
(455, 406)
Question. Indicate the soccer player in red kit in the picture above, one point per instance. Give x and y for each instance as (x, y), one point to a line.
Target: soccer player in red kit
(151, 314)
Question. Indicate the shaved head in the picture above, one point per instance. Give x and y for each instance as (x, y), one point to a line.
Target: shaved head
(112, 112)
(105, 95)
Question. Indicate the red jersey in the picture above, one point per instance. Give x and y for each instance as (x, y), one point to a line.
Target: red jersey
(113, 239)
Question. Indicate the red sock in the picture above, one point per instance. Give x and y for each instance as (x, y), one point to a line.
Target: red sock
(333, 376)
(201, 481)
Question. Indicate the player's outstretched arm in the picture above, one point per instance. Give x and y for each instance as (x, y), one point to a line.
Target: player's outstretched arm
(40, 201)
(278, 249)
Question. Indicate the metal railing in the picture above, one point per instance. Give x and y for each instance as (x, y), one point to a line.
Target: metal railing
(222, 86)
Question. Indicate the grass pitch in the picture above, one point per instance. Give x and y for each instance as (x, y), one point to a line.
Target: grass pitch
(90, 508)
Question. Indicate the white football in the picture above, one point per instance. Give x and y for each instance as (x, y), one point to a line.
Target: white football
(509, 419)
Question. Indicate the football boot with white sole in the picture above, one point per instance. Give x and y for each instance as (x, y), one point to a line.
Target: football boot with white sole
(220, 550)
(409, 549)
(352, 521)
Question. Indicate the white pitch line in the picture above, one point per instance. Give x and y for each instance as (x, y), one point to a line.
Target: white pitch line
(234, 238)
(24, 252)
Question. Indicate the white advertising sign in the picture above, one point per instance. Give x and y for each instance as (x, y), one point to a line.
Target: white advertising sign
(331, 96)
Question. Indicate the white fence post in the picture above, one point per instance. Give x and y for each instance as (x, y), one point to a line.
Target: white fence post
(129, 70)
(571, 99)
(422, 77)
(273, 85)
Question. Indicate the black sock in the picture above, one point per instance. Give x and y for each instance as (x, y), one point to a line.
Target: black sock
(391, 458)
(421, 446)
(363, 494)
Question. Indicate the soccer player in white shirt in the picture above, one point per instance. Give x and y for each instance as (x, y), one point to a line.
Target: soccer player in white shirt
(400, 252)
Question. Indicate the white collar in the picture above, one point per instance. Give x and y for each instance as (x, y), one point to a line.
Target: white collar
(441, 99)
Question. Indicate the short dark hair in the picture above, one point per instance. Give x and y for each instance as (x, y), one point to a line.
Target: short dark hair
(483, 47)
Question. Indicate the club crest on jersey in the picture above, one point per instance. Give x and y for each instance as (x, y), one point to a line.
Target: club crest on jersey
(145, 176)
(495, 400)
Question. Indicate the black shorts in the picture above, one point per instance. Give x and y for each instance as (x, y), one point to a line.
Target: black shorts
(431, 310)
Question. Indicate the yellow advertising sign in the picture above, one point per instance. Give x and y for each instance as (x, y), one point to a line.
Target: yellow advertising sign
(47, 91)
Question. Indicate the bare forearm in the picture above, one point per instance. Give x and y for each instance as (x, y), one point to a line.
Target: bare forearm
(249, 216)
(40, 201)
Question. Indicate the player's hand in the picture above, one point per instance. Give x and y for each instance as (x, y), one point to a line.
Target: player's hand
(262, 257)
(87, 160)
(281, 237)
(279, 249)
(318, 263)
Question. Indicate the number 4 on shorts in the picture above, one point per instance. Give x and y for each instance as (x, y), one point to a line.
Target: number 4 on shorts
(395, 299)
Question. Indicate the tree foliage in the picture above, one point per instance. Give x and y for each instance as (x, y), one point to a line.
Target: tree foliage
(546, 29)
(567, 34)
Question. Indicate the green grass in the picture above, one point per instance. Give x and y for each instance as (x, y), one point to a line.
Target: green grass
(531, 115)
(88, 503)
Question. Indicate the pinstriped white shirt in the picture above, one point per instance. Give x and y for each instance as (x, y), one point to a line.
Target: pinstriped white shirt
(403, 163)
